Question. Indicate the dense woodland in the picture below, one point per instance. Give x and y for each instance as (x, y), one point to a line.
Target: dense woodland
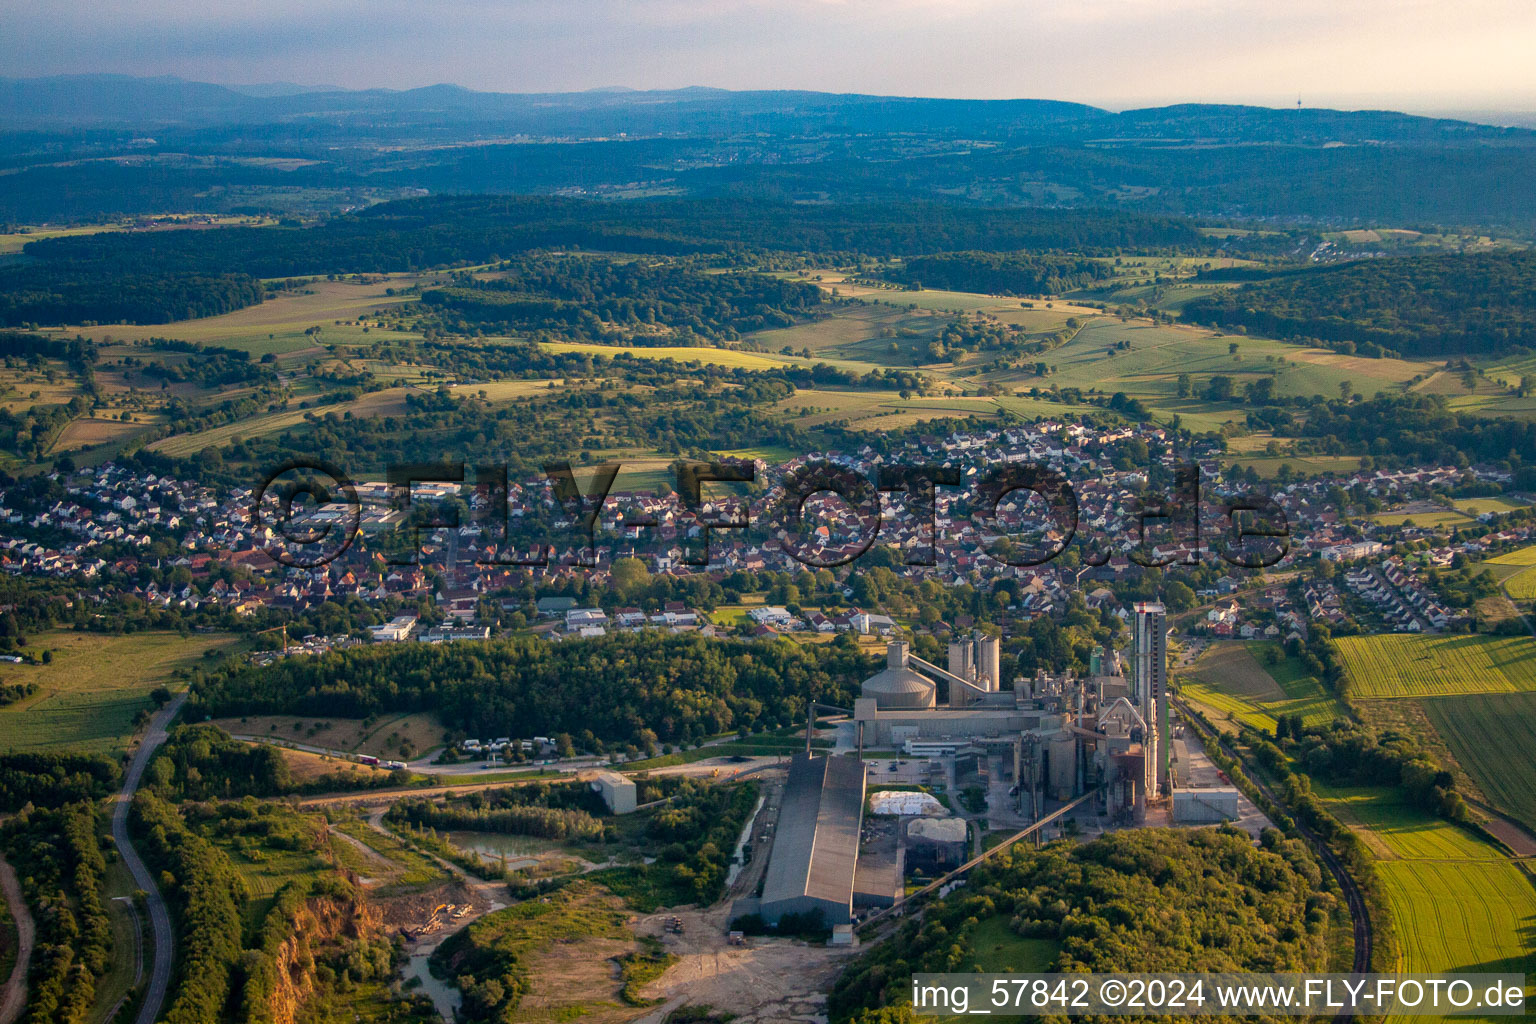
(1002, 273)
(150, 277)
(626, 688)
(1135, 901)
(55, 852)
(54, 779)
(202, 762)
(1435, 306)
(637, 300)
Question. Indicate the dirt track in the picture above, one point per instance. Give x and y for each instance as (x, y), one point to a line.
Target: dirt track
(14, 998)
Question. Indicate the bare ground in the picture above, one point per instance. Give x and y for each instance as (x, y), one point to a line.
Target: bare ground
(770, 981)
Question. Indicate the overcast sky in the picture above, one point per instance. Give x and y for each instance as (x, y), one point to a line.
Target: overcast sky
(1409, 54)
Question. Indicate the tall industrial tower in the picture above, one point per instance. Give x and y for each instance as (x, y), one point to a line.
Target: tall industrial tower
(1149, 681)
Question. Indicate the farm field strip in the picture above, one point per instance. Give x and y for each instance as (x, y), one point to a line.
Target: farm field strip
(1406, 665)
(1493, 737)
(1519, 556)
(1457, 902)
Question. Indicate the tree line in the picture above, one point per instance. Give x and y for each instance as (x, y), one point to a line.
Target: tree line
(57, 856)
(628, 688)
(1436, 306)
(1142, 900)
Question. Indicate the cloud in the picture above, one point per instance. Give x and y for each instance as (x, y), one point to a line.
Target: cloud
(1121, 51)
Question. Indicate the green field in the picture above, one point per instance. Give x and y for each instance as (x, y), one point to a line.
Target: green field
(88, 696)
(997, 949)
(278, 325)
(1404, 665)
(1477, 506)
(1233, 680)
(1493, 737)
(1458, 903)
(1522, 585)
(1519, 556)
(1433, 520)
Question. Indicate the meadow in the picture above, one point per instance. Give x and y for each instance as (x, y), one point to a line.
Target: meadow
(278, 325)
(1405, 665)
(1235, 681)
(88, 696)
(1493, 738)
(1496, 504)
(1434, 520)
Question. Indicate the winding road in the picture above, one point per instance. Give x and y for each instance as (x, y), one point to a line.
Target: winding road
(159, 917)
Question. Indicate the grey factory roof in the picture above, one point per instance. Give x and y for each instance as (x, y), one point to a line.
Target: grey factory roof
(900, 688)
(816, 846)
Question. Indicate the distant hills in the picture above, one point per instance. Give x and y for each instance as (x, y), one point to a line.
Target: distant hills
(125, 101)
(87, 146)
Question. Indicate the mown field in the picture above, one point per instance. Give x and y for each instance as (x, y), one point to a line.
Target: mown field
(1493, 737)
(88, 696)
(278, 325)
(1404, 665)
(1497, 503)
(1435, 519)
(1235, 681)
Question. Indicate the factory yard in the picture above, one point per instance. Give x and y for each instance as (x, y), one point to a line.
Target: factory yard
(763, 982)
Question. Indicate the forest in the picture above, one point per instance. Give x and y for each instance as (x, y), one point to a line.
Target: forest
(632, 688)
(639, 300)
(1001, 273)
(55, 850)
(150, 277)
(1433, 306)
(1139, 900)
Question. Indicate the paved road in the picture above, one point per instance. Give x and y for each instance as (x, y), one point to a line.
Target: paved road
(15, 997)
(159, 917)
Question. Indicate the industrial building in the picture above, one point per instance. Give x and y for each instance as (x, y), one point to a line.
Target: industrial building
(936, 844)
(1149, 685)
(816, 842)
(618, 793)
(1206, 806)
(1063, 735)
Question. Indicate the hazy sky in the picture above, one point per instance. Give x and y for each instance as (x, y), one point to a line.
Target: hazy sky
(1420, 54)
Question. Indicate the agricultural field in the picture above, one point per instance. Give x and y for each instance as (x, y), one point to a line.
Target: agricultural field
(1497, 504)
(682, 353)
(1522, 585)
(89, 431)
(15, 241)
(1493, 738)
(1519, 556)
(1405, 665)
(1436, 519)
(278, 325)
(387, 402)
(88, 696)
(886, 410)
(1235, 681)
(1459, 903)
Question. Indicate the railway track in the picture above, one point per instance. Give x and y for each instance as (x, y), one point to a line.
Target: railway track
(1359, 916)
